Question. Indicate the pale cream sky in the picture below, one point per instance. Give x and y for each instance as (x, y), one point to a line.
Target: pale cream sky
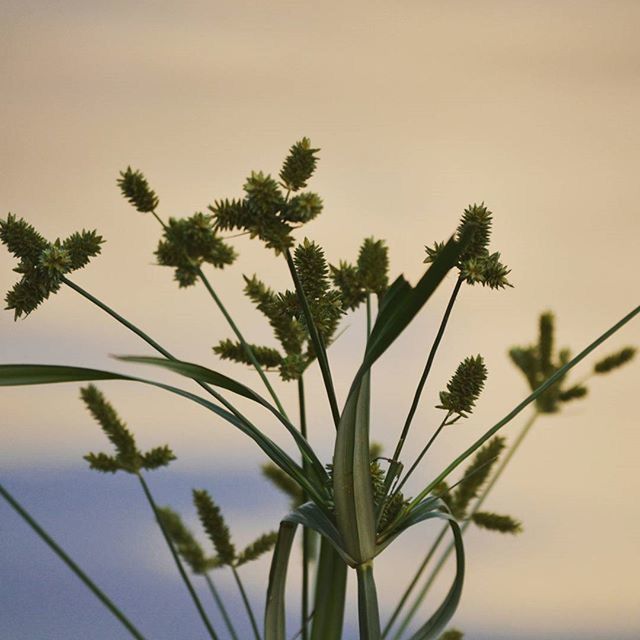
(420, 108)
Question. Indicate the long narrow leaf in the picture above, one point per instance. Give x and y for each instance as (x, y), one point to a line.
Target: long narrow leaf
(353, 494)
(330, 594)
(368, 613)
(275, 609)
(19, 374)
(203, 374)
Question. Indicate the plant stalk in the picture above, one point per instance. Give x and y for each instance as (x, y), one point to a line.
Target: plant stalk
(247, 604)
(368, 614)
(47, 539)
(176, 558)
(476, 507)
(221, 607)
(306, 538)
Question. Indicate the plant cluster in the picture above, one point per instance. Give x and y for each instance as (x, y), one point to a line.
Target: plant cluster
(356, 504)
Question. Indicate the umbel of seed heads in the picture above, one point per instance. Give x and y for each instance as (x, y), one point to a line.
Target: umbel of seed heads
(42, 264)
(477, 264)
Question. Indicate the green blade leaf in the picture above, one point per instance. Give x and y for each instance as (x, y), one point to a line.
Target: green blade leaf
(275, 611)
(203, 374)
(353, 494)
(31, 374)
(368, 614)
(330, 593)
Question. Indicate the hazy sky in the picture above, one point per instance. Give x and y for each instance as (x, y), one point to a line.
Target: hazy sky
(420, 108)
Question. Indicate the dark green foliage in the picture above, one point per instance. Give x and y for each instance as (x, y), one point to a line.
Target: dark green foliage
(136, 190)
(464, 387)
(266, 356)
(215, 526)
(128, 458)
(266, 212)
(538, 362)
(573, 393)
(369, 275)
(477, 264)
(615, 360)
(284, 482)
(475, 475)
(495, 522)
(258, 547)
(187, 243)
(452, 634)
(299, 165)
(186, 545)
(42, 264)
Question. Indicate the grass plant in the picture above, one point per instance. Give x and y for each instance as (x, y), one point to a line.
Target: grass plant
(353, 506)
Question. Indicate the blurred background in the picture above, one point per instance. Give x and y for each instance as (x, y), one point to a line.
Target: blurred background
(420, 108)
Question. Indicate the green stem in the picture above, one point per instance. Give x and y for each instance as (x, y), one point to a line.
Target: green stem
(418, 460)
(414, 582)
(176, 557)
(45, 537)
(558, 375)
(393, 468)
(247, 604)
(368, 315)
(221, 607)
(368, 614)
(245, 345)
(306, 538)
(316, 340)
(476, 507)
(148, 339)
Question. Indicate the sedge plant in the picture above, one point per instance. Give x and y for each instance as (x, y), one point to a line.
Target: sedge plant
(354, 503)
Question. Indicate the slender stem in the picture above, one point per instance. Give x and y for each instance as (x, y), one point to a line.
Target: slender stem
(45, 537)
(176, 557)
(476, 507)
(247, 604)
(418, 460)
(148, 339)
(316, 340)
(368, 614)
(245, 345)
(220, 603)
(368, 315)
(247, 348)
(423, 380)
(306, 538)
(416, 577)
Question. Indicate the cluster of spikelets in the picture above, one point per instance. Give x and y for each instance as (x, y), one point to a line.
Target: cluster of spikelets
(130, 459)
(268, 211)
(465, 387)
(539, 361)
(477, 263)
(42, 264)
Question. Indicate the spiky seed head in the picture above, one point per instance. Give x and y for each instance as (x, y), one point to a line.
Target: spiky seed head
(475, 220)
(136, 190)
(81, 247)
(264, 197)
(302, 208)
(215, 526)
(615, 360)
(346, 279)
(186, 545)
(258, 547)
(433, 252)
(373, 266)
(545, 342)
(573, 393)
(496, 522)
(55, 259)
(299, 165)
(465, 386)
(21, 239)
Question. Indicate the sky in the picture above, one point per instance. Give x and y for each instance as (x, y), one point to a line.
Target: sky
(419, 109)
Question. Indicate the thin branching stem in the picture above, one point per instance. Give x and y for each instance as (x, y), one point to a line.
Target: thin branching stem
(247, 604)
(223, 610)
(426, 448)
(306, 537)
(476, 507)
(176, 558)
(234, 327)
(47, 539)
(423, 379)
(316, 339)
